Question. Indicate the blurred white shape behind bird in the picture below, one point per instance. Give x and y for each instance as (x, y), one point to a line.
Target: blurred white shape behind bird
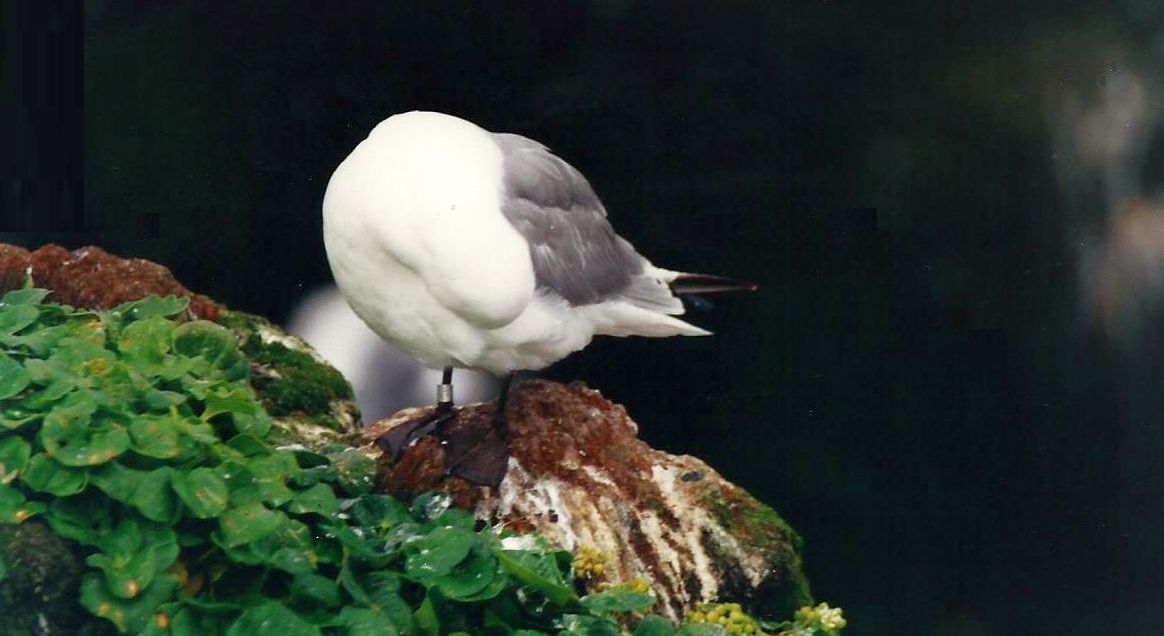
(384, 379)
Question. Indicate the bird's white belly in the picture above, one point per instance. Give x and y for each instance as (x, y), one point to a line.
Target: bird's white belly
(398, 306)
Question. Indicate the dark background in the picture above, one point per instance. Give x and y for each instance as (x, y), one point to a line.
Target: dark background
(915, 387)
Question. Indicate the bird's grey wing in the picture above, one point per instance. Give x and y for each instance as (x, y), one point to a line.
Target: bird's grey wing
(576, 253)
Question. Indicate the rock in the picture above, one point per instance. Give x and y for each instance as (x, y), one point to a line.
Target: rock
(39, 578)
(92, 278)
(579, 475)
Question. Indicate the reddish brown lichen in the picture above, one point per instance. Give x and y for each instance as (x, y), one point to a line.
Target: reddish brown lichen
(92, 278)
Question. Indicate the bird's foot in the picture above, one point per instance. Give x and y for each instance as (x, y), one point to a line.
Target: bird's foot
(479, 454)
(474, 451)
(479, 457)
(401, 437)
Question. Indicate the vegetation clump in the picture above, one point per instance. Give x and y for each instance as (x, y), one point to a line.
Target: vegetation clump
(138, 439)
(290, 382)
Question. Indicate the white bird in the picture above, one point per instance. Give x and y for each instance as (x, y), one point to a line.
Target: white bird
(481, 250)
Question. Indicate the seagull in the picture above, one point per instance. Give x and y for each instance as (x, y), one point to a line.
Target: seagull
(480, 250)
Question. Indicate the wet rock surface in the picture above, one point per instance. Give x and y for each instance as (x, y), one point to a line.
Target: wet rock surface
(579, 475)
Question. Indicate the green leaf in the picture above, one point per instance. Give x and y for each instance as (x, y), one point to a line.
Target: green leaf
(190, 621)
(56, 389)
(437, 554)
(214, 344)
(152, 306)
(271, 474)
(538, 572)
(82, 356)
(359, 546)
(154, 498)
(83, 519)
(271, 619)
(14, 454)
(13, 318)
(155, 436)
(291, 560)
(132, 554)
(308, 477)
(359, 621)
(249, 445)
(117, 481)
(248, 523)
(246, 414)
(379, 513)
(315, 589)
(14, 378)
(654, 625)
(71, 437)
(45, 475)
(355, 471)
(40, 342)
(382, 583)
(581, 625)
(128, 615)
(426, 617)
(147, 341)
(16, 418)
(14, 508)
(319, 499)
(294, 535)
(469, 578)
(457, 518)
(203, 491)
(198, 431)
(380, 591)
(490, 591)
(157, 400)
(26, 296)
(616, 600)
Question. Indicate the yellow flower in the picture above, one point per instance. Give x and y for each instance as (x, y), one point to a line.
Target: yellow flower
(590, 564)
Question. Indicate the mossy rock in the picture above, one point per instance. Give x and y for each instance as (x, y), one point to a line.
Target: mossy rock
(39, 578)
(311, 402)
(752, 523)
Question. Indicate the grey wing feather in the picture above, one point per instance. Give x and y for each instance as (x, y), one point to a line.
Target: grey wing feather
(576, 253)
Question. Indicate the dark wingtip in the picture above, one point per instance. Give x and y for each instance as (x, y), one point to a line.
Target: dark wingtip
(708, 284)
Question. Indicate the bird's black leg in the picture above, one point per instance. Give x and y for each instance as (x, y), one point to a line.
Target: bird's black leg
(483, 459)
(396, 440)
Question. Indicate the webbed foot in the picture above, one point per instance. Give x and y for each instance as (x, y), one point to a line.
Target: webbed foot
(401, 437)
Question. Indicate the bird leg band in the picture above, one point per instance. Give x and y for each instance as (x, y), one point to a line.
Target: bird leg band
(445, 394)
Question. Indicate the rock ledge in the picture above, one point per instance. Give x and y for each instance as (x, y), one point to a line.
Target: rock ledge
(580, 476)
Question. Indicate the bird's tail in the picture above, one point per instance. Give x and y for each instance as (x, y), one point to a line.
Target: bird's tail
(685, 283)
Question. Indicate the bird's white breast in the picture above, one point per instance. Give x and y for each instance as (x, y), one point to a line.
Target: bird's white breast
(417, 242)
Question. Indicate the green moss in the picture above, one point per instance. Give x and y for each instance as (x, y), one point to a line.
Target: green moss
(302, 386)
(291, 382)
(755, 524)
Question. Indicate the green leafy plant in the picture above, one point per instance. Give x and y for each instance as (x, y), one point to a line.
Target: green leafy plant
(137, 436)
